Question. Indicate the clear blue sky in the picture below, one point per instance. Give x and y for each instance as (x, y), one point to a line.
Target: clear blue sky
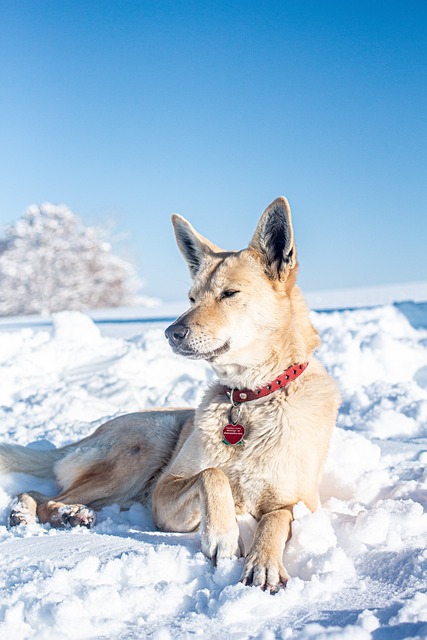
(131, 110)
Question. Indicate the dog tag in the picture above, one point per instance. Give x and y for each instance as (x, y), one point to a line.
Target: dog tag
(233, 434)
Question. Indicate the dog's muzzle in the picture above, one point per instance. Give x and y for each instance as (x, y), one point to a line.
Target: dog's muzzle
(182, 342)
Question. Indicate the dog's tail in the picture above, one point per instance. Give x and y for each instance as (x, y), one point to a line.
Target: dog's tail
(36, 462)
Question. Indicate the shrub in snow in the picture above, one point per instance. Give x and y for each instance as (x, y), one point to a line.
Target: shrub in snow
(49, 261)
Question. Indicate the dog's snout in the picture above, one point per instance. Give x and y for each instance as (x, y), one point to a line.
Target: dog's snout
(177, 333)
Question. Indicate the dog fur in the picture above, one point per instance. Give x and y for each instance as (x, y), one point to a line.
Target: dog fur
(249, 321)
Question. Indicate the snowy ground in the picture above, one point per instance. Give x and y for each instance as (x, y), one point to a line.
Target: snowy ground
(358, 565)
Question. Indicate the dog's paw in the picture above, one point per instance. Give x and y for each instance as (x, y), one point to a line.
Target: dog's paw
(267, 573)
(73, 515)
(221, 545)
(21, 514)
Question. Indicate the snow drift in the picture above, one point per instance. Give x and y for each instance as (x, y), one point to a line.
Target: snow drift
(358, 564)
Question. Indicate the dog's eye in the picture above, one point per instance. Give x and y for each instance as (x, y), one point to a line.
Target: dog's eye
(228, 293)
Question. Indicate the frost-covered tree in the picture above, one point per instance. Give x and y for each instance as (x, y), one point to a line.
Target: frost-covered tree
(49, 261)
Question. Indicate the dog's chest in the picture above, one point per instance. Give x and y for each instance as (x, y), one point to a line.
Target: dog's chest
(262, 469)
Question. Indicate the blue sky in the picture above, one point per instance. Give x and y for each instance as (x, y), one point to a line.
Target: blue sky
(129, 111)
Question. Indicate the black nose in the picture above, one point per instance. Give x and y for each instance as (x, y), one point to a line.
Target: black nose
(177, 333)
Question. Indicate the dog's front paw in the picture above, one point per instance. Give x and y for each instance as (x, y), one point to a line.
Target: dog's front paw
(265, 572)
(221, 545)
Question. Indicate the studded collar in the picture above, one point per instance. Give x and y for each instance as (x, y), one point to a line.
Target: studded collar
(238, 396)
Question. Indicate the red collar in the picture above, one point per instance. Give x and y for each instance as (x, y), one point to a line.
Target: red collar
(237, 396)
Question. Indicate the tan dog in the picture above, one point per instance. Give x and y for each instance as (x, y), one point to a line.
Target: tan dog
(259, 454)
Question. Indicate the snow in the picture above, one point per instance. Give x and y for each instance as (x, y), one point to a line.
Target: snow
(367, 296)
(357, 565)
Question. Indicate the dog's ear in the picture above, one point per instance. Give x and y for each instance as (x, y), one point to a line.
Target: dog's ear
(193, 246)
(274, 239)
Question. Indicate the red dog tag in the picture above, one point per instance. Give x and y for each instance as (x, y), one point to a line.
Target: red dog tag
(233, 434)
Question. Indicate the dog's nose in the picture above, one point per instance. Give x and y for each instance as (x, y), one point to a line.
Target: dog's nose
(177, 333)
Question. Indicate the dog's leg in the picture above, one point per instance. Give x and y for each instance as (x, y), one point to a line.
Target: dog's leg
(263, 565)
(96, 484)
(218, 526)
(61, 512)
(35, 507)
(205, 500)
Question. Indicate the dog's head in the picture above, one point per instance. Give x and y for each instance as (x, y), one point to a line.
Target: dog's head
(243, 303)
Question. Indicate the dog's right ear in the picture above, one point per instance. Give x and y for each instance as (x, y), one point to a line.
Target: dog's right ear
(193, 246)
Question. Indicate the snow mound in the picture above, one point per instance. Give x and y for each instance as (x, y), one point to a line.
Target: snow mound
(357, 565)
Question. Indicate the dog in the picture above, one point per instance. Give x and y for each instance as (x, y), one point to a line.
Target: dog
(257, 442)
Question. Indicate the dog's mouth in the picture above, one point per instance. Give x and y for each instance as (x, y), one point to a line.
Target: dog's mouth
(198, 355)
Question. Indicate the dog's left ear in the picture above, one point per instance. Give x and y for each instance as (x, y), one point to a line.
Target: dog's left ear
(274, 239)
